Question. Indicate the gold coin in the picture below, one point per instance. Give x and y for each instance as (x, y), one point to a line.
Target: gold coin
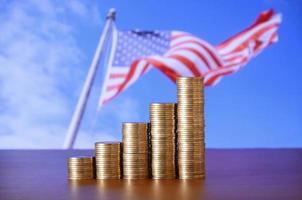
(109, 177)
(81, 159)
(135, 176)
(108, 144)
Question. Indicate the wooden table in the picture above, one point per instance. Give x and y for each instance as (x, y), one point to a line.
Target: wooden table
(231, 174)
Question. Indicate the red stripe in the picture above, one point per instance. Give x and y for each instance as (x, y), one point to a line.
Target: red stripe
(241, 62)
(144, 69)
(232, 58)
(191, 66)
(129, 75)
(197, 53)
(254, 37)
(116, 75)
(112, 87)
(262, 18)
(272, 38)
(216, 60)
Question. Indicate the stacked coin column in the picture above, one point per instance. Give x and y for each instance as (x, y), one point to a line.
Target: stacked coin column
(162, 118)
(108, 160)
(135, 151)
(149, 150)
(81, 167)
(190, 127)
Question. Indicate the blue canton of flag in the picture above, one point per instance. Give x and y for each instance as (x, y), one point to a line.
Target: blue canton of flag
(132, 45)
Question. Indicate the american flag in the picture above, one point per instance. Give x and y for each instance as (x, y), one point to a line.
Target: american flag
(176, 53)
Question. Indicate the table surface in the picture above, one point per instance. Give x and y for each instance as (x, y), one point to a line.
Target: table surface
(230, 174)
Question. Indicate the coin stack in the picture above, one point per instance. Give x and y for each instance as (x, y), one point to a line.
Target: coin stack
(81, 167)
(149, 149)
(162, 118)
(108, 160)
(135, 151)
(190, 127)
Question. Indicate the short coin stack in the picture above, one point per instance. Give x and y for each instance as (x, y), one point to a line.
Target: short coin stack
(81, 167)
(108, 160)
(162, 118)
(190, 111)
(135, 151)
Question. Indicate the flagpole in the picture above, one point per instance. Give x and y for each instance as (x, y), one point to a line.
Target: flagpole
(81, 105)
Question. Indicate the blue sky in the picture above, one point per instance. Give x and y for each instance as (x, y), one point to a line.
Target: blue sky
(46, 48)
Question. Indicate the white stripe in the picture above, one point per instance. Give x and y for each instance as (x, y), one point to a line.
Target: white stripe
(177, 33)
(182, 39)
(238, 61)
(175, 65)
(235, 54)
(120, 70)
(109, 94)
(116, 81)
(238, 41)
(245, 53)
(194, 59)
(200, 49)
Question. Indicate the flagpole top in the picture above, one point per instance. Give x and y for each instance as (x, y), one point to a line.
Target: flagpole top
(111, 14)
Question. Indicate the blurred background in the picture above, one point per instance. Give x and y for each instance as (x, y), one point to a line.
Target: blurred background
(46, 47)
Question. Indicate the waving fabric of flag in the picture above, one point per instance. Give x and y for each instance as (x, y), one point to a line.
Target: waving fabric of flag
(176, 53)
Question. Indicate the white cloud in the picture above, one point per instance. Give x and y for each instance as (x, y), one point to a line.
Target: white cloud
(78, 7)
(40, 65)
(88, 12)
(39, 59)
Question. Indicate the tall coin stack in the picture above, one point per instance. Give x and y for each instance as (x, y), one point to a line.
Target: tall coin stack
(190, 128)
(162, 118)
(108, 160)
(149, 149)
(81, 167)
(135, 151)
